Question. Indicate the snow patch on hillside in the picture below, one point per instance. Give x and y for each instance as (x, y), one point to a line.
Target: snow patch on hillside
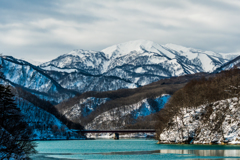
(140, 70)
(84, 107)
(213, 123)
(126, 114)
(52, 68)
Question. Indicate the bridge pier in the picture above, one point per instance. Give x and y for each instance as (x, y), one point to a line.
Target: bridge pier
(116, 136)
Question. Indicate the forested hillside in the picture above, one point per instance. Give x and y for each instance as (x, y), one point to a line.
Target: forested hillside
(129, 106)
(40, 115)
(204, 111)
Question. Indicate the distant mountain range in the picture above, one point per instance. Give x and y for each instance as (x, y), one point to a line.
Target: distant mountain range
(127, 65)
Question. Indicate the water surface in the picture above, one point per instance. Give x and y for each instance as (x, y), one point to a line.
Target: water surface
(132, 149)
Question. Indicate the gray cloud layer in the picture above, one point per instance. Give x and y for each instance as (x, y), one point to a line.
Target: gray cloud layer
(44, 29)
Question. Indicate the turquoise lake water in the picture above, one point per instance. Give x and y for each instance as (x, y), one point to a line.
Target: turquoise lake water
(131, 149)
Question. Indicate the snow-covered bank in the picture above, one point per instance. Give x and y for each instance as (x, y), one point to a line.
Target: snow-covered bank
(130, 135)
(214, 123)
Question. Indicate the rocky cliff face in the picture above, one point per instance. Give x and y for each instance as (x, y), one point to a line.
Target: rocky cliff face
(214, 123)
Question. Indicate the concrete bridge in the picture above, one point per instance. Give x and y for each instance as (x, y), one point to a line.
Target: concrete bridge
(117, 131)
(120, 131)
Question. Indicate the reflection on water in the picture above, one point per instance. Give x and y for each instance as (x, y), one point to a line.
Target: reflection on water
(187, 154)
(220, 153)
(132, 149)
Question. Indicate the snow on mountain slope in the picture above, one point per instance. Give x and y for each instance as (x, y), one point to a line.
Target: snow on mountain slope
(21, 73)
(139, 52)
(121, 116)
(44, 124)
(134, 63)
(230, 56)
(53, 68)
(89, 61)
(229, 65)
(208, 60)
(213, 123)
(84, 107)
(152, 51)
(138, 46)
(82, 83)
(25, 75)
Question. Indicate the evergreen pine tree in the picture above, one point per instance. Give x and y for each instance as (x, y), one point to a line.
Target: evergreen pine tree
(15, 134)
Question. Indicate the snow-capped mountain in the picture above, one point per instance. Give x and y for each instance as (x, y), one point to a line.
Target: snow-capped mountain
(130, 53)
(129, 65)
(21, 73)
(157, 54)
(88, 61)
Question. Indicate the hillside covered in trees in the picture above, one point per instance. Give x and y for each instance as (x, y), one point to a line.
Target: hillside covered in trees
(42, 118)
(204, 111)
(125, 108)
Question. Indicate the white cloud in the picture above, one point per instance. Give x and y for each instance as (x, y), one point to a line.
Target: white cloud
(56, 27)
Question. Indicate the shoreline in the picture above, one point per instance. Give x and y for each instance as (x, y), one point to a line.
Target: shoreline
(182, 143)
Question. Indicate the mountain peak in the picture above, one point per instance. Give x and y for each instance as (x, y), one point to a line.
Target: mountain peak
(127, 47)
(80, 52)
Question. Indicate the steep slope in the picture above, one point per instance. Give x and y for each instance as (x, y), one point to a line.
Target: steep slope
(229, 65)
(21, 73)
(129, 65)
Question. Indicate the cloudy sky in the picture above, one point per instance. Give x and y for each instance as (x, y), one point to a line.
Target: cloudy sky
(44, 29)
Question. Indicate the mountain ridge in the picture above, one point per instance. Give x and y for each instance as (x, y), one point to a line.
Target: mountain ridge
(125, 65)
(129, 65)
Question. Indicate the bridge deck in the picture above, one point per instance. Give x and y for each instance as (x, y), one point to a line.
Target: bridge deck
(120, 131)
